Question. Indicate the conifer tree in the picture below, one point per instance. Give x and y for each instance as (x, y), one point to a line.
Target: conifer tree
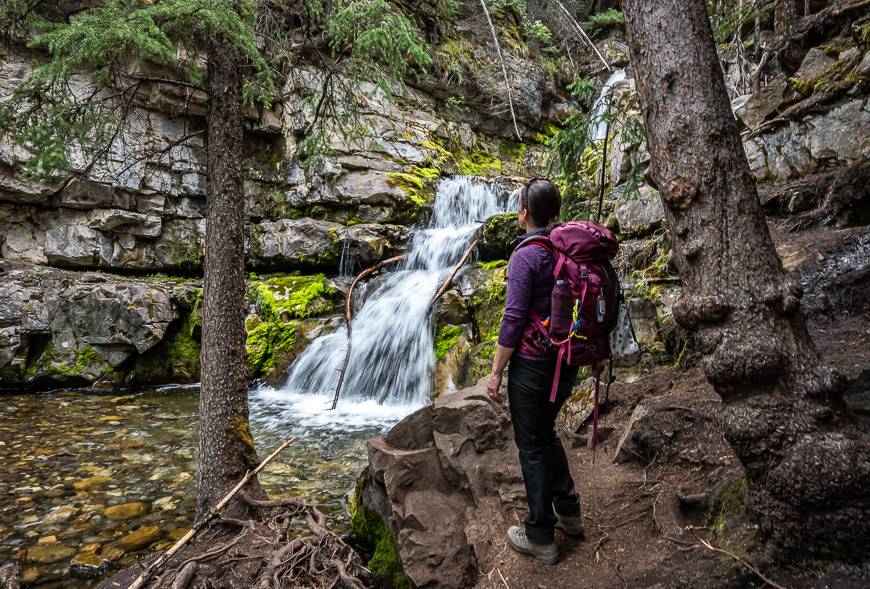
(807, 458)
(74, 106)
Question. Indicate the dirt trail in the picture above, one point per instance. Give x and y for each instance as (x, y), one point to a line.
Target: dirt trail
(636, 513)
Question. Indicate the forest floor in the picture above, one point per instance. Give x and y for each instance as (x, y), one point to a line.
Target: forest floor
(638, 514)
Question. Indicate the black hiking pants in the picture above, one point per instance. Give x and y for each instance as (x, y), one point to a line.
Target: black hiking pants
(542, 457)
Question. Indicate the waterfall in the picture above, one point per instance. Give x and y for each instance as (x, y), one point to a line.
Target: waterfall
(597, 123)
(392, 360)
(347, 261)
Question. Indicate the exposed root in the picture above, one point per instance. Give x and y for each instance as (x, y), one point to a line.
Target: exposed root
(287, 546)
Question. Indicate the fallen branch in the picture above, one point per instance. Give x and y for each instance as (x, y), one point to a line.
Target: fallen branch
(446, 284)
(583, 34)
(709, 546)
(348, 318)
(507, 82)
(146, 575)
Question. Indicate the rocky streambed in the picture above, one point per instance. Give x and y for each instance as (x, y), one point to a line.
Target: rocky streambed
(93, 481)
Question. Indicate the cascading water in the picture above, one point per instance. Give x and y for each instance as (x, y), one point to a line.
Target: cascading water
(597, 120)
(392, 359)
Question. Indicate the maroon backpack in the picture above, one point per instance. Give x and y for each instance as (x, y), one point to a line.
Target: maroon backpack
(585, 298)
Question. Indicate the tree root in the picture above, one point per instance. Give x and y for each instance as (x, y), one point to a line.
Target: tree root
(287, 546)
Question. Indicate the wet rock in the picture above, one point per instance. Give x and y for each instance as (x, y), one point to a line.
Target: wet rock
(60, 515)
(49, 553)
(10, 576)
(91, 483)
(641, 214)
(314, 243)
(126, 511)
(443, 478)
(499, 234)
(140, 538)
(66, 327)
(88, 566)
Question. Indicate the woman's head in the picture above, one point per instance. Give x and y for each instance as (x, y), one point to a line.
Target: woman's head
(540, 203)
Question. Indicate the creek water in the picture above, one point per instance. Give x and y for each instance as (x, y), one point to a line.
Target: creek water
(90, 476)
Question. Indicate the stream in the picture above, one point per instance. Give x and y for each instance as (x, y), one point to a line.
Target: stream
(95, 478)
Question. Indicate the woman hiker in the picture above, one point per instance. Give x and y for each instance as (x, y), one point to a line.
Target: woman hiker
(553, 500)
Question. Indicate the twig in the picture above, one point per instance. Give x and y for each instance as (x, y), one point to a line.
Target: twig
(446, 284)
(709, 546)
(507, 82)
(347, 316)
(583, 34)
(502, 579)
(142, 579)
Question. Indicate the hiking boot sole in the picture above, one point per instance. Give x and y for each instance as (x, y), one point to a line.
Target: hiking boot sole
(549, 560)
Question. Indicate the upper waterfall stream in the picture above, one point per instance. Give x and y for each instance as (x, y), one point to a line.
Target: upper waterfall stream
(392, 359)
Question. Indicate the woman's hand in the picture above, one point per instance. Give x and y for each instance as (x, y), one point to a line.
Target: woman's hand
(494, 386)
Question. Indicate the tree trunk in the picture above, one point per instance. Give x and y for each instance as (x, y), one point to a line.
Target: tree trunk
(807, 460)
(226, 448)
(785, 18)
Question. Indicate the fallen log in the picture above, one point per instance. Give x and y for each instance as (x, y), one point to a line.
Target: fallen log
(446, 284)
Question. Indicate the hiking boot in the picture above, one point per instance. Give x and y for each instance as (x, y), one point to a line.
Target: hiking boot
(572, 525)
(546, 553)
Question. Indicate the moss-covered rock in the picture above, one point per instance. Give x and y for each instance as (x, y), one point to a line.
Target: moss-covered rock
(368, 525)
(279, 305)
(499, 233)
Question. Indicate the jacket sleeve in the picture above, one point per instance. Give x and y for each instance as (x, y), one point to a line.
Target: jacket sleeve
(520, 281)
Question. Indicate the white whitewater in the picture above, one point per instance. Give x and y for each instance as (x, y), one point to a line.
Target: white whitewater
(392, 359)
(597, 123)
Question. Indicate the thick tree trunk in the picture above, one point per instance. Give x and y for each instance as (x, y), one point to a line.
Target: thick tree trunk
(226, 448)
(807, 461)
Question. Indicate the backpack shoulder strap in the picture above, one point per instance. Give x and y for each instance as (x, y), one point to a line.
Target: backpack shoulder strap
(541, 241)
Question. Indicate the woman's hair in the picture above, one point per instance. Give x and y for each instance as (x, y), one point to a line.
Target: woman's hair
(541, 199)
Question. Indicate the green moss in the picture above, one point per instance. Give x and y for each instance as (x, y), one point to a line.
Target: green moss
(493, 265)
(445, 339)
(827, 81)
(85, 357)
(385, 563)
(294, 296)
(488, 301)
(416, 183)
(476, 163)
(647, 283)
(728, 505)
(265, 342)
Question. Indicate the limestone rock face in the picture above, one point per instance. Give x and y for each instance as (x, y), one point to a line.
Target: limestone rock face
(443, 479)
(70, 327)
(836, 137)
(309, 242)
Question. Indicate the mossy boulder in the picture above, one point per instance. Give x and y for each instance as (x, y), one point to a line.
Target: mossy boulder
(499, 233)
(367, 523)
(280, 307)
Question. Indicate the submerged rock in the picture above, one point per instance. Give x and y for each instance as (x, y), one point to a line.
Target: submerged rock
(140, 538)
(441, 480)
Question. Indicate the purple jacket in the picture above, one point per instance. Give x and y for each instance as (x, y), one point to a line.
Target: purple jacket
(529, 286)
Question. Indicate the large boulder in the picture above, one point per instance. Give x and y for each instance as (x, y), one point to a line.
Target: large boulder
(442, 480)
(640, 214)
